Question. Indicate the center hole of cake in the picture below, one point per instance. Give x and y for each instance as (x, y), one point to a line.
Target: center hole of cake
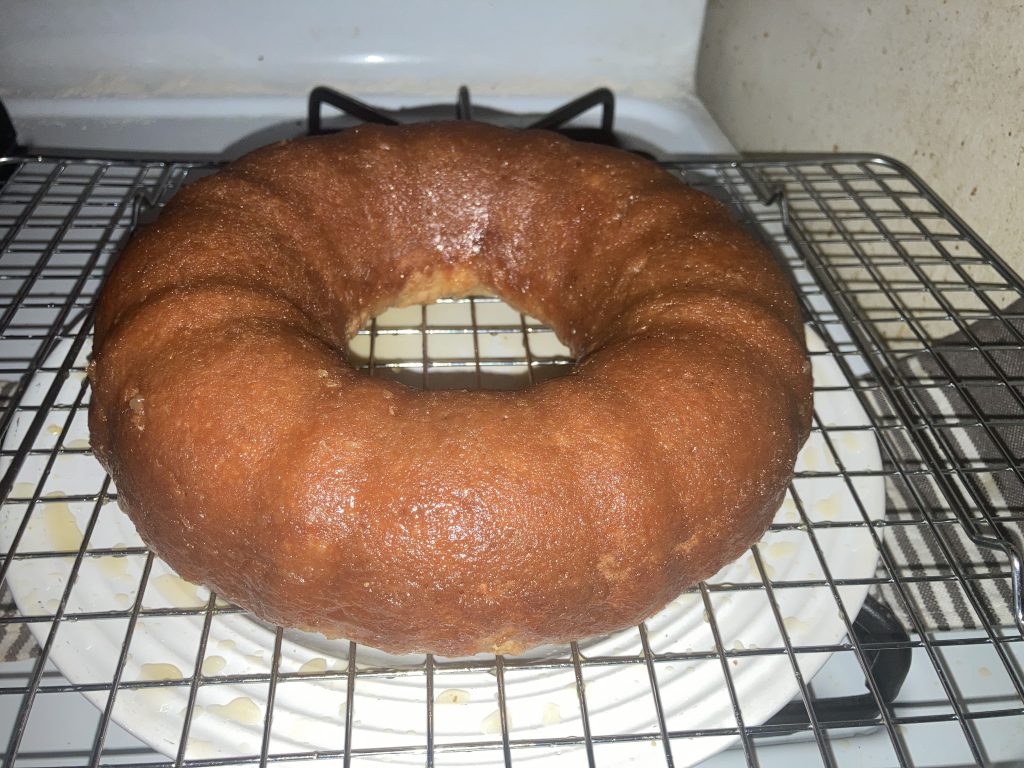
(464, 343)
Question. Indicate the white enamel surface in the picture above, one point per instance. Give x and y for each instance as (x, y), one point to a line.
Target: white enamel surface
(195, 78)
(242, 47)
(187, 127)
(390, 710)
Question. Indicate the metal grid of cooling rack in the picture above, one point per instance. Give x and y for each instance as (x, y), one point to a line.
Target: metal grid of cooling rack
(923, 320)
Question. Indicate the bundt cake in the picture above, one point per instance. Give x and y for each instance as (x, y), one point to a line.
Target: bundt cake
(254, 459)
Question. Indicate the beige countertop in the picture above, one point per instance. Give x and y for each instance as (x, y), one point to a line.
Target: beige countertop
(937, 85)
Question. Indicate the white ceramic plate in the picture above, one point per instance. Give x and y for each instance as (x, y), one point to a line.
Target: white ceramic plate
(389, 710)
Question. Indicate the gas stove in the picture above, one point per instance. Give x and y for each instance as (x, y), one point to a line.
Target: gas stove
(193, 129)
(113, 119)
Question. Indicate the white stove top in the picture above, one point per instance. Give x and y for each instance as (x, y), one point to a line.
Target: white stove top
(226, 127)
(195, 77)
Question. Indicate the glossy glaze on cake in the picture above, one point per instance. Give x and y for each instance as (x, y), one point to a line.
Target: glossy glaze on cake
(254, 459)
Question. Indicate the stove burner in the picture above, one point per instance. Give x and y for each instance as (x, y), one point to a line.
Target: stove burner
(556, 120)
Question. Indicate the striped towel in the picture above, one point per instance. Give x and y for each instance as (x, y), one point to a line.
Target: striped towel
(16, 642)
(961, 380)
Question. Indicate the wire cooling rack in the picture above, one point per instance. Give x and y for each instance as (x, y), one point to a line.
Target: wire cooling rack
(924, 322)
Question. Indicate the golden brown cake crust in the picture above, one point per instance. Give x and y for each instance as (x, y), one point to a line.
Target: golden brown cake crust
(253, 459)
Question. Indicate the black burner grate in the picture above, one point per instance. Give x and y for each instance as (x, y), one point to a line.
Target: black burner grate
(558, 120)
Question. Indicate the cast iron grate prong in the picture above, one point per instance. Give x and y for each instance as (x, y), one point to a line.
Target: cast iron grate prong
(351, 106)
(463, 106)
(557, 118)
